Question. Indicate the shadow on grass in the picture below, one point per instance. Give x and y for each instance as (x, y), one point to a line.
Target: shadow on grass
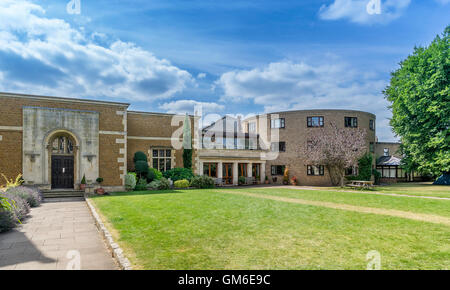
(138, 193)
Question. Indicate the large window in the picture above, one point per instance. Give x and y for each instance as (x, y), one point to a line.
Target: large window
(277, 123)
(252, 127)
(277, 169)
(162, 159)
(386, 152)
(62, 145)
(210, 169)
(316, 170)
(315, 121)
(372, 125)
(278, 147)
(351, 122)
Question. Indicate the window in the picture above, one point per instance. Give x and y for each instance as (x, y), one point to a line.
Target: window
(277, 123)
(372, 147)
(62, 145)
(351, 122)
(210, 169)
(353, 171)
(372, 125)
(315, 121)
(278, 147)
(316, 170)
(386, 152)
(277, 169)
(252, 127)
(162, 159)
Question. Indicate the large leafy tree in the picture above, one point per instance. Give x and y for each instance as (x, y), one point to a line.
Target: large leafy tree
(420, 96)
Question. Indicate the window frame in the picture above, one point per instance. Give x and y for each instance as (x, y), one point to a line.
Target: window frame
(276, 167)
(282, 123)
(353, 123)
(309, 121)
(372, 125)
(162, 161)
(311, 172)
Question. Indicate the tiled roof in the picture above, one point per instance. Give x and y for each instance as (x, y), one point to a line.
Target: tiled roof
(389, 161)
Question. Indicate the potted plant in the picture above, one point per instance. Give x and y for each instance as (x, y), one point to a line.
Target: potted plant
(266, 180)
(294, 181)
(286, 176)
(83, 183)
(241, 180)
(100, 190)
(274, 179)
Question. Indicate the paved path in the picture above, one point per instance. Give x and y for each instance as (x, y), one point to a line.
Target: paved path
(362, 209)
(53, 238)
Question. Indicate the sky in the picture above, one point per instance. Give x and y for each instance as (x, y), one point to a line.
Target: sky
(237, 57)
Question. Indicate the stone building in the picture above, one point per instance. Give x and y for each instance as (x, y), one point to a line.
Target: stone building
(54, 142)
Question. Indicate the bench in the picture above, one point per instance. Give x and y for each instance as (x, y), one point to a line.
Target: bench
(361, 184)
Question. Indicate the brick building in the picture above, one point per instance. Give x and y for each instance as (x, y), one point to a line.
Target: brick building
(54, 142)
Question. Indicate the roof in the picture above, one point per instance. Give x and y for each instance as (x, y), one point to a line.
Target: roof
(389, 161)
(60, 99)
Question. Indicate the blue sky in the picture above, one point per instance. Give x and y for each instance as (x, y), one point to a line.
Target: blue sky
(233, 57)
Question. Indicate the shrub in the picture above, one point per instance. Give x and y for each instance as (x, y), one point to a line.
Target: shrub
(141, 185)
(32, 196)
(20, 207)
(365, 167)
(179, 174)
(377, 176)
(130, 181)
(181, 183)
(158, 174)
(7, 221)
(13, 182)
(160, 184)
(203, 181)
(241, 180)
(141, 167)
(140, 156)
(83, 180)
(150, 175)
(187, 158)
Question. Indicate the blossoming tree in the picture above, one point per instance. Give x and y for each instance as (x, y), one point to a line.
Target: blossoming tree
(335, 149)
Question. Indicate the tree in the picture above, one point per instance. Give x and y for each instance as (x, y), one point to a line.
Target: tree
(140, 164)
(420, 96)
(187, 143)
(335, 149)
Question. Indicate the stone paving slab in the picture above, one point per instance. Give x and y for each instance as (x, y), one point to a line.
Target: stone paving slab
(54, 236)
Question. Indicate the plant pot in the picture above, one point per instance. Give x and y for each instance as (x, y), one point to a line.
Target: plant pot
(82, 186)
(100, 191)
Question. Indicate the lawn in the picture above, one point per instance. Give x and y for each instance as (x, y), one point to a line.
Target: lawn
(223, 229)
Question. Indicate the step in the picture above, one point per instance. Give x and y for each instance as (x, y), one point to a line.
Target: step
(63, 194)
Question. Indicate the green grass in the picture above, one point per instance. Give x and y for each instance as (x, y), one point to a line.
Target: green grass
(410, 204)
(210, 229)
(424, 189)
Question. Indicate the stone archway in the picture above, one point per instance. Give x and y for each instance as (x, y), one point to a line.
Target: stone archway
(62, 159)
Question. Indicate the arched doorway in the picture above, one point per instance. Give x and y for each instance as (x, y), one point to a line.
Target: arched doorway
(62, 152)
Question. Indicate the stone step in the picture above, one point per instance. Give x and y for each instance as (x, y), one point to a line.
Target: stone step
(62, 194)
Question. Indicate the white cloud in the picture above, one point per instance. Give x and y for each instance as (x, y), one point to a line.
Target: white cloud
(41, 55)
(286, 85)
(356, 11)
(187, 106)
(201, 75)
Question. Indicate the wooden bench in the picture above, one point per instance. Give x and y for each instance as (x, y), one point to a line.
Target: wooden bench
(361, 184)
